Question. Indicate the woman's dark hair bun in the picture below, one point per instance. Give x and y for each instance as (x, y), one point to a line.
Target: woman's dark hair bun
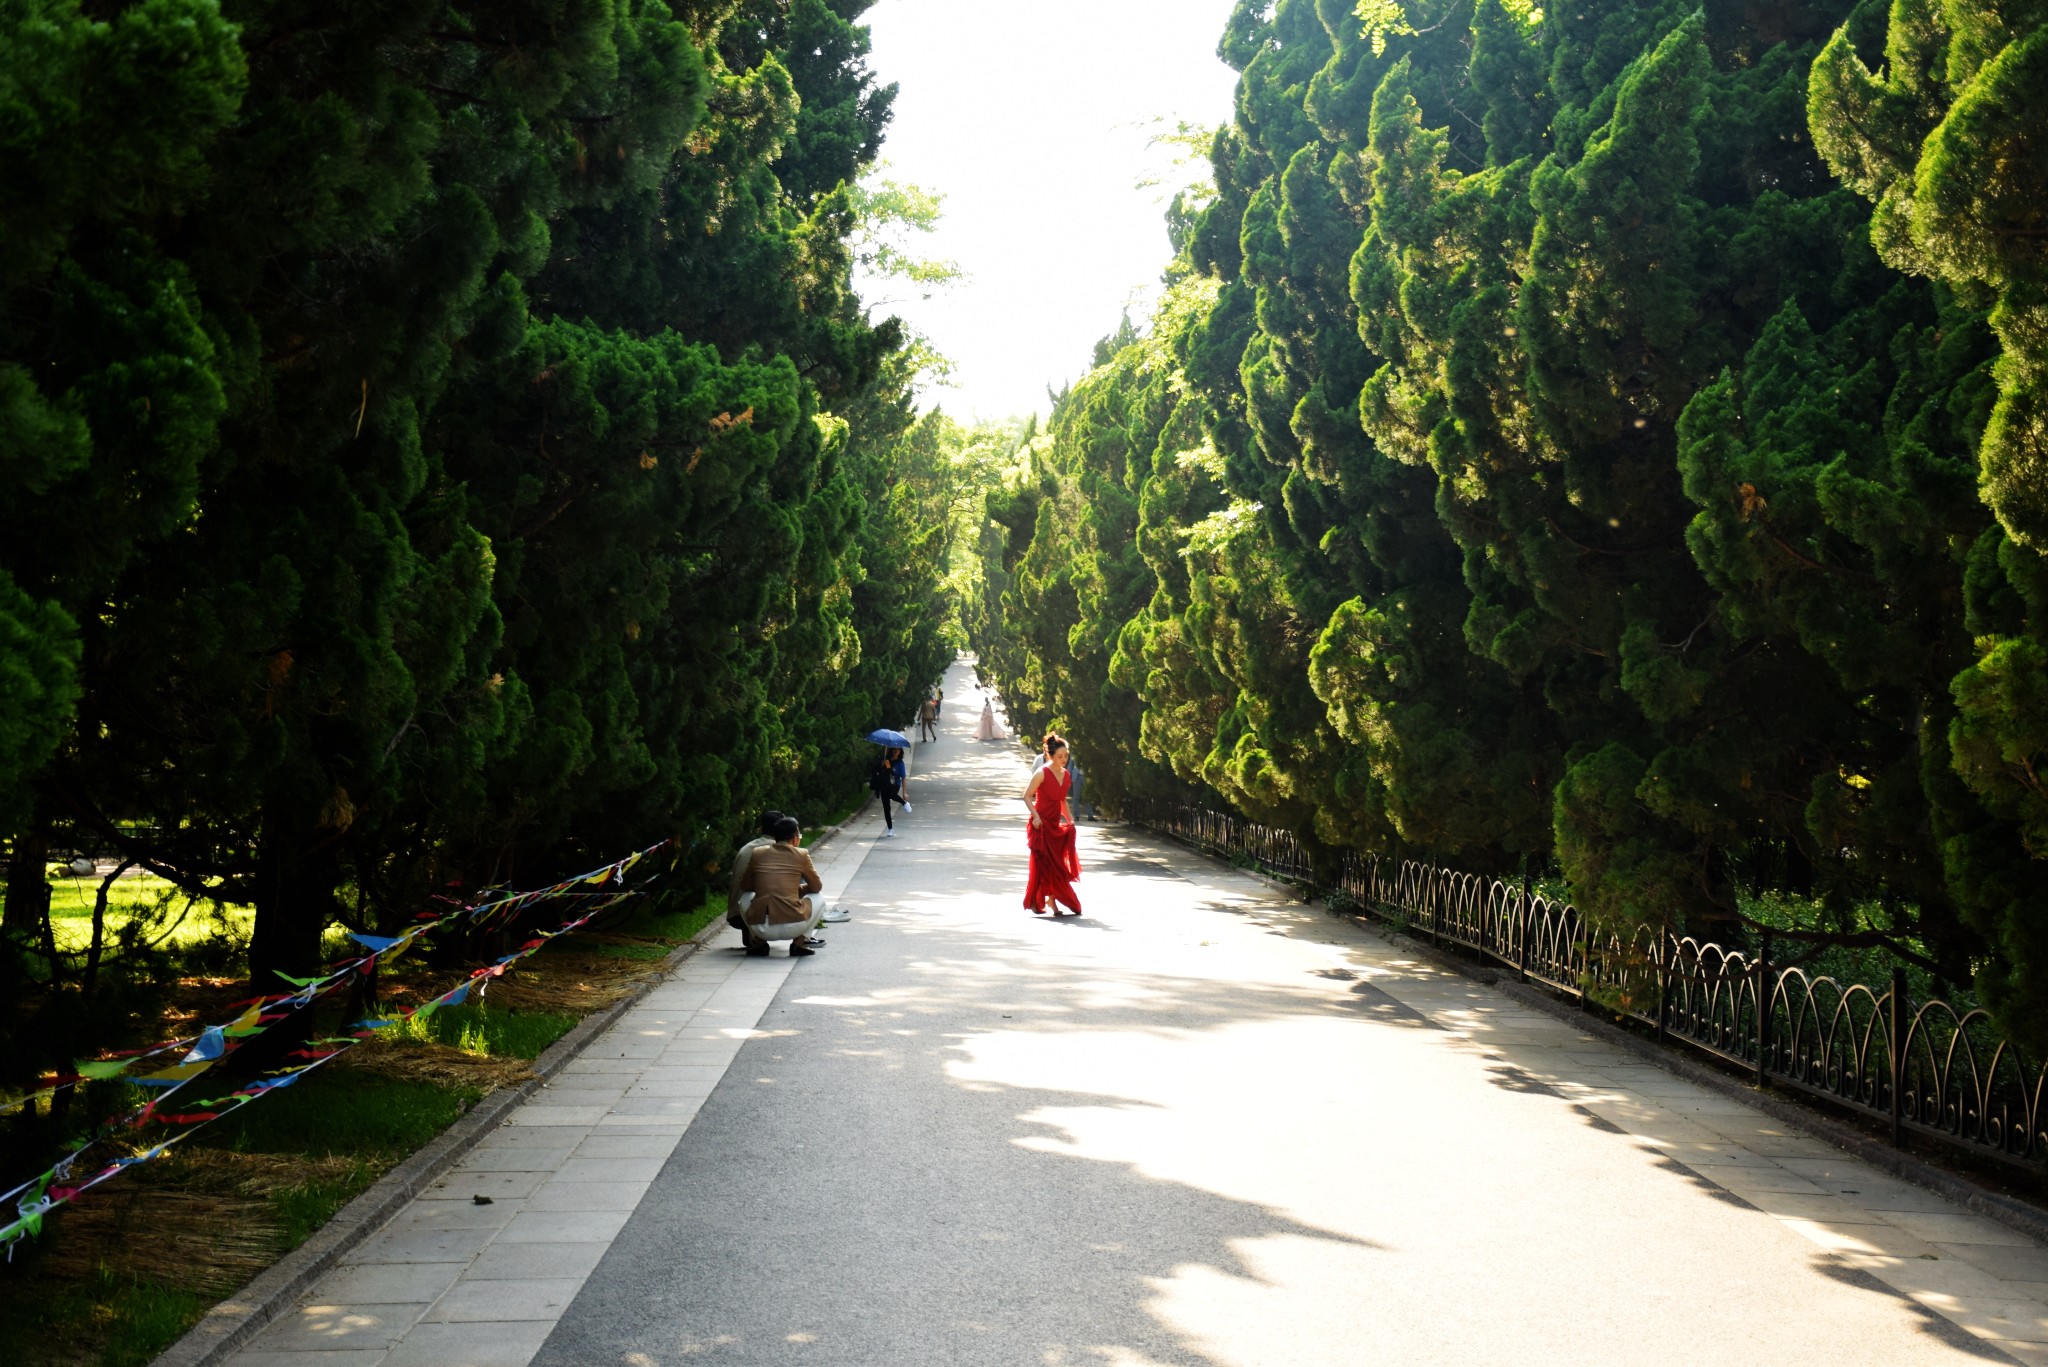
(1054, 741)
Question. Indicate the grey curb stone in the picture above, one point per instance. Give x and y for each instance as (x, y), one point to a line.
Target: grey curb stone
(230, 1325)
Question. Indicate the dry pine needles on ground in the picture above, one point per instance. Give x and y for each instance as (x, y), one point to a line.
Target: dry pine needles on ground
(575, 979)
(414, 1060)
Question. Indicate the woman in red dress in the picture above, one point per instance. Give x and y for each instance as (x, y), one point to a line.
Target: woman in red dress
(1055, 863)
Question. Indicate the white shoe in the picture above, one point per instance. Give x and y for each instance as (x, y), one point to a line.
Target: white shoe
(837, 915)
(888, 834)
(906, 809)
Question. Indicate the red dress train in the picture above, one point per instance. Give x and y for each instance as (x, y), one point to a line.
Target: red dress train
(1055, 862)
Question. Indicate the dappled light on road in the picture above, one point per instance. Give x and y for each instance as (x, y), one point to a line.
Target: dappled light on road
(1203, 1123)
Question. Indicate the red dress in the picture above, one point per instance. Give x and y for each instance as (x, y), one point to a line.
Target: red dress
(1055, 863)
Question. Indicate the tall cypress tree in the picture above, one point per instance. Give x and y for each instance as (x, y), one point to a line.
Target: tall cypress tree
(331, 621)
(1679, 532)
(1943, 137)
(488, 346)
(110, 387)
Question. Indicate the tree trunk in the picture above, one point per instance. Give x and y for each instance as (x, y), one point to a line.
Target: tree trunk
(28, 886)
(297, 874)
(91, 981)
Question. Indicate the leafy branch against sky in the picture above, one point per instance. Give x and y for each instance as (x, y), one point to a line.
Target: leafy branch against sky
(893, 216)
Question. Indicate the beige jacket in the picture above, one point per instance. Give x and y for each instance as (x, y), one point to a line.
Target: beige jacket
(780, 877)
(740, 861)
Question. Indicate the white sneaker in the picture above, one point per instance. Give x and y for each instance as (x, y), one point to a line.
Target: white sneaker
(906, 809)
(889, 834)
(837, 915)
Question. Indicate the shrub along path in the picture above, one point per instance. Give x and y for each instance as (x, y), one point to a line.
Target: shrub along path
(1202, 1124)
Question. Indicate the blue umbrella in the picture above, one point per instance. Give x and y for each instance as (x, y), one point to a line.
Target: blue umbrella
(891, 738)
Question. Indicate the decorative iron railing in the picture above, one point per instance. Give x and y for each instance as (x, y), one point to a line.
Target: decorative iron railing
(1926, 1068)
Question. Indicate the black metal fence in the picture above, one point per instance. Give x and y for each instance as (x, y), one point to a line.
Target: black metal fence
(1926, 1068)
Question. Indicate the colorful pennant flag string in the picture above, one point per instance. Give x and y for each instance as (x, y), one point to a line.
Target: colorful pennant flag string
(264, 1012)
(37, 1197)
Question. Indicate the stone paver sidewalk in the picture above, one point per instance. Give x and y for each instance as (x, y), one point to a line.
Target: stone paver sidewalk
(454, 1282)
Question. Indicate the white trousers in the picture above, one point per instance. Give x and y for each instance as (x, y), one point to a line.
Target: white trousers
(787, 930)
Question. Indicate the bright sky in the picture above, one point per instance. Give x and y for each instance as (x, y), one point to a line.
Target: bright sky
(1033, 120)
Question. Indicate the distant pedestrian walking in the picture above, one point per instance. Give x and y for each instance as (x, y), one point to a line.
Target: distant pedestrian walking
(886, 781)
(1055, 862)
(928, 720)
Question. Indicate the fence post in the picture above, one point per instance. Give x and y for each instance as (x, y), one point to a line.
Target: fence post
(1438, 906)
(1763, 1010)
(1895, 1048)
(1524, 921)
(1663, 981)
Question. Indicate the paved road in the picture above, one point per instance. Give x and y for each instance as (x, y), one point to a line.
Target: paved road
(1201, 1125)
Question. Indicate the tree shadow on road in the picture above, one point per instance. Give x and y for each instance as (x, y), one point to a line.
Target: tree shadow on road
(962, 1139)
(876, 1183)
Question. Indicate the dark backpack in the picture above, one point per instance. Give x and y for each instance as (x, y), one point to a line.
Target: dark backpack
(878, 778)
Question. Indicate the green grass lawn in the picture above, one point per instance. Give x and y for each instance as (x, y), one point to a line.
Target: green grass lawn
(493, 1034)
(671, 927)
(166, 917)
(132, 1318)
(645, 953)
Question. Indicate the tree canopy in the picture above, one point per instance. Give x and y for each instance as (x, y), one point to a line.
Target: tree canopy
(443, 444)
(1598, 440)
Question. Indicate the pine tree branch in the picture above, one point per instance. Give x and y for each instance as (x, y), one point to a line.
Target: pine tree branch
(555, 510)
(1844, 939)
(1808, 561)
(187, 874)
(450, 36)
(455, 94)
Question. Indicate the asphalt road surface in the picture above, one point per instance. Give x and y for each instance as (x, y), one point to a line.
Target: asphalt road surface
(1205, 1124)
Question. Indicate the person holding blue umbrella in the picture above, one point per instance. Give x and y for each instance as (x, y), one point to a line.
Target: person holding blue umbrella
(886, 780)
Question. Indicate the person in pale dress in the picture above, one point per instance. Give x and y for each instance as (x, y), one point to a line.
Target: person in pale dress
(988, 728)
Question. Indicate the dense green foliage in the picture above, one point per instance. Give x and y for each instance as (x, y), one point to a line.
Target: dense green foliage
(1946, 141)
(1546, 457)
(443, 446)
